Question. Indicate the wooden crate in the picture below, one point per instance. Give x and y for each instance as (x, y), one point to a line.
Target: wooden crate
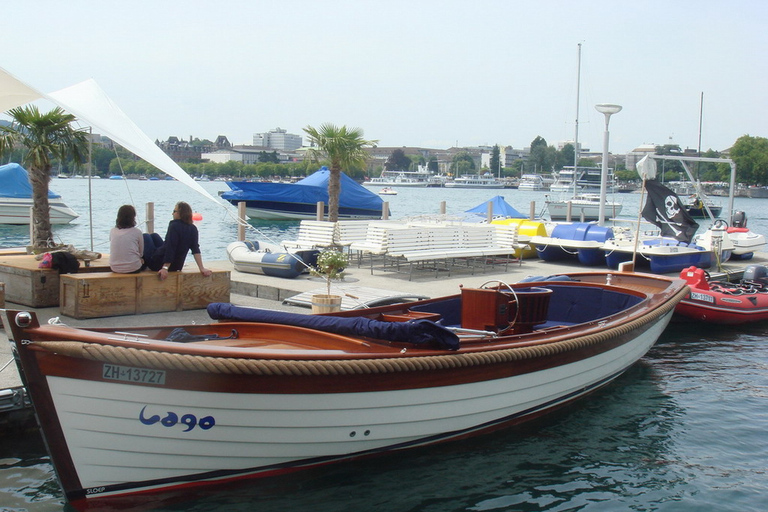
(103, 294)
(29, 285)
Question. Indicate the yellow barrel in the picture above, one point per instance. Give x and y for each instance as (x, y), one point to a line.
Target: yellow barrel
(525, 230)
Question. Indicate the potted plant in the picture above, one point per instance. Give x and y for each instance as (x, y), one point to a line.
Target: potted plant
(330, 265)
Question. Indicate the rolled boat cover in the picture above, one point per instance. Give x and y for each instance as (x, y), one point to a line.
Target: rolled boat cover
(418, 332)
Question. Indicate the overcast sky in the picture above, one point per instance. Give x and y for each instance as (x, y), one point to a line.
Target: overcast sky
(409, 73)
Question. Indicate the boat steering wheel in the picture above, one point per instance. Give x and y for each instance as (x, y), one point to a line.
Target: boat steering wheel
(500, 283)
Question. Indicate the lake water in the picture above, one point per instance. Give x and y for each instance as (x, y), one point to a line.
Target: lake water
(683, 430)
(218, 227)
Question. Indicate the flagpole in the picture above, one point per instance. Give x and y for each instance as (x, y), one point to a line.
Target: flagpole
(646, 168)
(637, 228)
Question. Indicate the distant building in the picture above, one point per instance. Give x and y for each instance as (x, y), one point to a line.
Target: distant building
(277, 139)
(249, 155)
(183, 151)
(509, 154)
(638, 153)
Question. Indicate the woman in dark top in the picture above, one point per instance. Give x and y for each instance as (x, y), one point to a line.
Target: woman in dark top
(182, 237)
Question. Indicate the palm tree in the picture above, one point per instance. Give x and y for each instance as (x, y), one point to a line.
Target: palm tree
(344, 147)
(45, 136)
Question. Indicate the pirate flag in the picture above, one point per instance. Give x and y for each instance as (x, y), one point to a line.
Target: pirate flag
(664, 209)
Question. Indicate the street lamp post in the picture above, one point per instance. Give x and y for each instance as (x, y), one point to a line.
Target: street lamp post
(607, 110)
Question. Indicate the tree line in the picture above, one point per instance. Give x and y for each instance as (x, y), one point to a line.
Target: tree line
(749, 153)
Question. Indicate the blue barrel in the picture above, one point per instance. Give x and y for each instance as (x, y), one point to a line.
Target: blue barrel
(597, 233)
(583, 231)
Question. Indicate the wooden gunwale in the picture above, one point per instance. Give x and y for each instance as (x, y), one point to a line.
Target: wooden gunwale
(375, 358)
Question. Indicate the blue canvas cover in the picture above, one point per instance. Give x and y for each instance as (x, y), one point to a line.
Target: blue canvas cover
(14, 182)
(417, 331)
(310, 190)
(500, 207)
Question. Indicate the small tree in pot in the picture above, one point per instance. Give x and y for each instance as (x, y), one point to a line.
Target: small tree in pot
(330, 265)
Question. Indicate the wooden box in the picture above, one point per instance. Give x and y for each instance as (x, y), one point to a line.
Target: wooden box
(100, 294)
(29, 285)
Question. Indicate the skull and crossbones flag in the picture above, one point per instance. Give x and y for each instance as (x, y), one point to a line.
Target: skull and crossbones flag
(664, 209)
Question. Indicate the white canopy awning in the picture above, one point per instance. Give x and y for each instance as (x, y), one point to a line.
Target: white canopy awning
(91, 105)
(14, 92)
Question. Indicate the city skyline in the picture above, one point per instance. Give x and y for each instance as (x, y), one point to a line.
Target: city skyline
(427, 74)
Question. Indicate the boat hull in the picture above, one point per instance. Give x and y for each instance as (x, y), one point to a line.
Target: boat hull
(453, 184)
(662, 256)
(701, 212)
(584, 211)
(745, 243)
(17, 211)
(302, 429)
(275, 263)
(273, 210)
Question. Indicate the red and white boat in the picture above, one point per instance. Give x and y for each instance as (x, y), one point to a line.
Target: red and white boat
(132, 416)
(725, 303)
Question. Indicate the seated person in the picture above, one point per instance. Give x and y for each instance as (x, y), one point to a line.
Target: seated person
(181, 238)
(126, 243)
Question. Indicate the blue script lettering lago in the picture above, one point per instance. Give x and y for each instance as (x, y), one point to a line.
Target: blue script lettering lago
(172, 419)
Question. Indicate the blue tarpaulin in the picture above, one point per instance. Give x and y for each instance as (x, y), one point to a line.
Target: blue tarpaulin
(500, 208)
(310, 190)
(14, 182)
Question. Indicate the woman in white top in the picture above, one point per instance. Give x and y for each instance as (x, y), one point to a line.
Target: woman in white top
(126, 243)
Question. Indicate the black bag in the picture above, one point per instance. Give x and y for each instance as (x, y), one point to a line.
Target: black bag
(64, 262)
(182, 336)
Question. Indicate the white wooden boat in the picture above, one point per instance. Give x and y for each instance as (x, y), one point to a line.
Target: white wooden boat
(139, 414)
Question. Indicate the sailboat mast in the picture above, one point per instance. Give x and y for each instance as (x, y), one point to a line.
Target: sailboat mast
(576, 135)
(701, 114)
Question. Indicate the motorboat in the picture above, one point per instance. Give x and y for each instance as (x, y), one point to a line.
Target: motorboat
(717, 239)
(16, 198)
(486, 180)
(139, 415)
(583, 207)
(387, 191)
(421, 178)
(281, 201)
(745, 242)
(254, 257)
(531, 182)
(662, 254)
(700, 207)
(720, 302)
